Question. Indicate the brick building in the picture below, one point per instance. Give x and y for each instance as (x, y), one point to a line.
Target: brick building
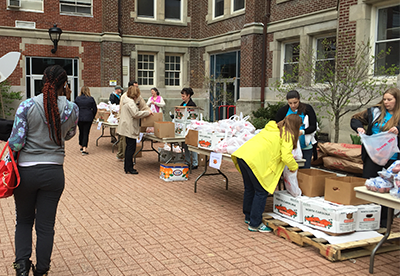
(171, 44)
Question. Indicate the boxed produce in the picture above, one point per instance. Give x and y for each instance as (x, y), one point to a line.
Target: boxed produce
(164, 129)
(180, 127)
(186, 113)
(174, 172)
(209, 140)
(192, 138)
(289, 206)
(149, 121)
(329, 217)
(341, 190)
(102, 115)
(312, 181)
(368, 217)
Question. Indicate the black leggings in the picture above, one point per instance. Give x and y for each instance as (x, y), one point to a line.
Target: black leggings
(129, 152)
(36, 201)
(84, 129)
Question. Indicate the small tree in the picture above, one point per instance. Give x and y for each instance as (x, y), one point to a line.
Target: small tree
(7, 97)
(340, 81)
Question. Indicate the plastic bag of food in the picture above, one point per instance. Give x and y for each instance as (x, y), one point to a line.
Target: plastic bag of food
(380, 147)
(378, 184)
(395, 167)
(385, 174)
(291, 183)
(395, 192)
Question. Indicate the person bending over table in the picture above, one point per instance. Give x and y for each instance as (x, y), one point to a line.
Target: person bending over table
(186, 95)
(294, 106)
(129, 125)
(261, 161)
(385, 116)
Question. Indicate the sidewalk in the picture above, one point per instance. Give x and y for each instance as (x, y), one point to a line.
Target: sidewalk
(112, 223)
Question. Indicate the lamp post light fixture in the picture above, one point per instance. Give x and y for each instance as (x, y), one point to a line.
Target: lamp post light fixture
(55, 34)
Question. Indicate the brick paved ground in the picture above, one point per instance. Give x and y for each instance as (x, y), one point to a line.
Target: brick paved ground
(110, 223)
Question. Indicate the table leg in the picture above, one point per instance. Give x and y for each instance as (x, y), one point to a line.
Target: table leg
(116, 143)
(385, 237)
(204, 174)
(102, 134)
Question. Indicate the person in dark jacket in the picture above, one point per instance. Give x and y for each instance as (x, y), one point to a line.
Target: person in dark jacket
(87, 112)
(186, 95)
(385, 116)
(295, 106)
(115, 96)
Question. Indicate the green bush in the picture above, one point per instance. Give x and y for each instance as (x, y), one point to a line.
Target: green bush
(262, 116)
(355, 139)
(7, 97)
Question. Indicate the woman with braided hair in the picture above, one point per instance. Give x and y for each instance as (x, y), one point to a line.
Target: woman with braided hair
(42, 124)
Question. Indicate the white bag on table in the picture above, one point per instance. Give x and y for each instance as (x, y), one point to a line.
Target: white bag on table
(380, 147)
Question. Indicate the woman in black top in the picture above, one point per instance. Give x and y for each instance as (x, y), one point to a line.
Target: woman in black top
(294, 106)
(87, 112)
(186, 95)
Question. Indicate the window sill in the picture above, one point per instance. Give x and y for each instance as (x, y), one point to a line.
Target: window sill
(225, 16)
(160, 22)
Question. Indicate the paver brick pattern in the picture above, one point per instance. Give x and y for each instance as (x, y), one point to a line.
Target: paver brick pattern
(112, 223)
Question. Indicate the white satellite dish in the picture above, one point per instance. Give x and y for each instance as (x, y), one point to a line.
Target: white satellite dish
(8, 62)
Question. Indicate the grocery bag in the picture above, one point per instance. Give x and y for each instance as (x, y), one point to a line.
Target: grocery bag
(291, 183)
(380, 147)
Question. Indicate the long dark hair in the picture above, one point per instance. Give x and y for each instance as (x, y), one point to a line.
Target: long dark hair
(294, 94)
(54, 78)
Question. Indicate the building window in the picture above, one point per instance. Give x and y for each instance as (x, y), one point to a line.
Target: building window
(291, 62)
(218, 8)
(388, 38)
(238, 5)
(25, 5)
(146, 69)
(145, 8)
(83, 7)
(172, 70)
(325, 59)
(173, 9)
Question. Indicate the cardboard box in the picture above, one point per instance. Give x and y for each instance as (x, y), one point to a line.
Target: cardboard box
(208, 140)
(138, 147)
(192, 138)
(329, 217)
(341, 190)
(368, 217)
(164, 129)
(149, 121)
(312, 181)
(174, 172)
(180, 127)
(289, 206)
(186, 113)
(102, 115)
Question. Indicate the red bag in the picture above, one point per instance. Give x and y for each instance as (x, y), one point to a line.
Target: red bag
(9, 173)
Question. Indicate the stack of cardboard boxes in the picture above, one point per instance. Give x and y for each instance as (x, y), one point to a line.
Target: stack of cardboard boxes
(328, 203)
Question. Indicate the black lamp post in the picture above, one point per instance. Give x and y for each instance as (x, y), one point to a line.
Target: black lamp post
(55, 34)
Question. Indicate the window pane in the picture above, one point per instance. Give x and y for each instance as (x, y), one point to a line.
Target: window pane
(326, 48)
(226, 65)
(389, 23)
(173, 9)
(325, 71)
(218, 8)
(172, 70)
(393, 59)
(145, 8)
(238, 5)
(291, 74)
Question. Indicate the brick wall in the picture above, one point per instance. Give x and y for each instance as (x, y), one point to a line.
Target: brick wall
(110, 63)
(250, 67)
(294, 8)
(11, 44)
(346, 30)
(91, 63)
(196, 68)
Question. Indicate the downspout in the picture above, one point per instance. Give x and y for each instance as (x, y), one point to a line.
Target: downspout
(264, 52)
(120, 34)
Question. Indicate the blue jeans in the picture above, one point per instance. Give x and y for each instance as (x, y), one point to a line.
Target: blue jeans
(307, 154)
(255, 196)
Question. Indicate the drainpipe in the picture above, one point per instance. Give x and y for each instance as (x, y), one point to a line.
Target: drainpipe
(120, 34)
(264, 52)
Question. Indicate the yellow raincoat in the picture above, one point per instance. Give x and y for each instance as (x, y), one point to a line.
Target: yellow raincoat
(267, 154)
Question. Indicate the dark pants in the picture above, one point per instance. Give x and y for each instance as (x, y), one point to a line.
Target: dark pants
(36, 201)
(255, 196)
(84, 129)
(307, 155)
(129, 152)
(370, 170)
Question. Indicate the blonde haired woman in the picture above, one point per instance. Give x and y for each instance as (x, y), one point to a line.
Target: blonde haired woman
(261, 161)
(129, 125)
(87, 112)
(385, 116)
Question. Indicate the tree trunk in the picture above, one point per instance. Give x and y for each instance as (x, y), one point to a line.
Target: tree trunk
(337, 126)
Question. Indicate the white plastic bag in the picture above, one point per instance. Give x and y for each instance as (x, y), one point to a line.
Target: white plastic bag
(380, 147)
(297, 153)
(291, 184)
